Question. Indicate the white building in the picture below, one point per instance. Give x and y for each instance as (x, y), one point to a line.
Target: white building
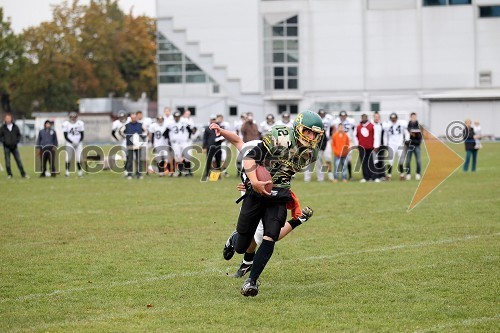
(439, 58)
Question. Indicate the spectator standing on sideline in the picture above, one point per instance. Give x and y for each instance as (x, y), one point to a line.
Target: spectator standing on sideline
(224, 145)
(160, 150)
(168, 114)
(10, 135)
(379, 153)
(413, 146)
(396, 134)
(73, 133)
(249, 129)
(239, 123)
(325, 151)
(365, 134)
(470, 146)
(212, 147)
(267, 124)
(117, 125)
(285, 120)
(340, 148)
(478, 132)
(46, 145)
(186, 116)
(349, 126)
(135, 135)
(144, 150)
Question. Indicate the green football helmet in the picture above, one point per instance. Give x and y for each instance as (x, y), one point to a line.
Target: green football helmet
(308, 120)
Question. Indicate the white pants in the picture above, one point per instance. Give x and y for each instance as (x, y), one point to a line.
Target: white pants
(394, 150)
(74, 150)
(178, 148)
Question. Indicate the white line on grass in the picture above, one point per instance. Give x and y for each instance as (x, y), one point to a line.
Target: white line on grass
(119, 284)
(218, 271)
(397, 247)
(466, 322)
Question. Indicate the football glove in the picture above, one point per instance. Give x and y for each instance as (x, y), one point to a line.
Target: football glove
(307, 213)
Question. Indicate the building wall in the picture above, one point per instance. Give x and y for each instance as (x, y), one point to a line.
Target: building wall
(384, 51)
(442, 113)
(227, 28)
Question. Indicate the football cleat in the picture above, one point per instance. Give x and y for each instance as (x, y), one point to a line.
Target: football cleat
(249, 288)
(228, 251)
(244, 269)
(307, 213)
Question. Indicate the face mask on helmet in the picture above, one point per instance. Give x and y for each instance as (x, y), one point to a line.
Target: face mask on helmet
(308, 129)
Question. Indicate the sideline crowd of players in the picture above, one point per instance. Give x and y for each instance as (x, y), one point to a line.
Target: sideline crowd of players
(378, 144)
(171, 137)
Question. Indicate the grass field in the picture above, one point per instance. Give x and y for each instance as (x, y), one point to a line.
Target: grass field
(90, 254)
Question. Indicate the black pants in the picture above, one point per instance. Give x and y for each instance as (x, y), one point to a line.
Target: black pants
(367, 164)
(48, 155)
(380, 165)
(14, 151)
(272, 211)
(213, 151)
(131, 154)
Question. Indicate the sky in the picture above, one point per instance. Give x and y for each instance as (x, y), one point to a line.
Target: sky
(26, 13)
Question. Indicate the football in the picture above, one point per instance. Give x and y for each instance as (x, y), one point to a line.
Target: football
(264, 175)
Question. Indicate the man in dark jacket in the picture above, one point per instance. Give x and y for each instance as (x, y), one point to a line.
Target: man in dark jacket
(413, 146)
(46, 145)
(10, 135)
(135, 136)
(212, 147)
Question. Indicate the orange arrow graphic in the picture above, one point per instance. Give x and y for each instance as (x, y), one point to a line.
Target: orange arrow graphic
(443, 161)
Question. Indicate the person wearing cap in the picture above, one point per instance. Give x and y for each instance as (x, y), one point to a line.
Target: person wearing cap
(249, 129)
(396, 134)
(46, 145)
(349, 126)
(365, 135)
(212, 147)
(10, 136)
(267, 124)
(160, 150)
(73, 134)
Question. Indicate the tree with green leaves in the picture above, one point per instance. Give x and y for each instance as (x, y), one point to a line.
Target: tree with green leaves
(85, 51)
(11, 51)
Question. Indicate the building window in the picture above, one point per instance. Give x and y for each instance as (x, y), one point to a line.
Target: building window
(349, 106)
(181, 109)
(375, 107)
(290, 108)
(460, 2)
(174, 66)
(489, 11)
(281, 55)
(434, 2)
(446, 2)
(485, 79)
(233, 110)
